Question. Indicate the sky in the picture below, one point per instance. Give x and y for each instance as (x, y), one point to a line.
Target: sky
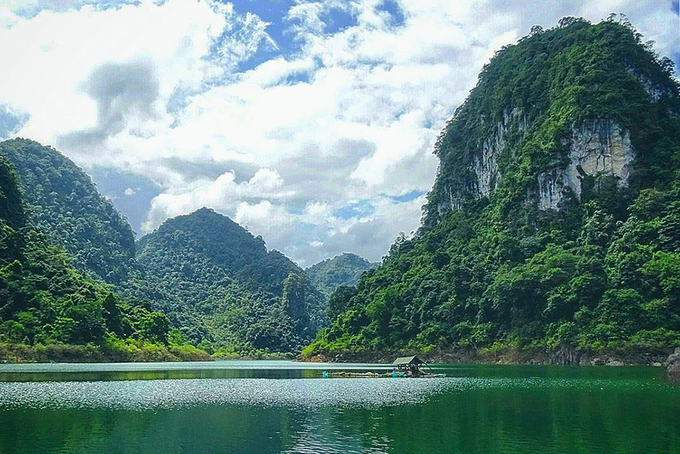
(310, 122)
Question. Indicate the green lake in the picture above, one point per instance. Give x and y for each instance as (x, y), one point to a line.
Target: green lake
(265, 407)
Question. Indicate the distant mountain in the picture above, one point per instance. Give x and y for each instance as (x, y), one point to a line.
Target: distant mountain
(343, 269)
(215, 280)
(553, 225)
(64, 204)
(225, 289)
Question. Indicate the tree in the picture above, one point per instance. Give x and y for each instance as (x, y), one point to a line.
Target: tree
(154, 327)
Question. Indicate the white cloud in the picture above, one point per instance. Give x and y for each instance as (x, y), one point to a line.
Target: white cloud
(129, 192)
(223, 194)
(285, 147)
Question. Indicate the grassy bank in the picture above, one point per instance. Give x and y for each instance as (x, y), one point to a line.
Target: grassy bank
(117, 351)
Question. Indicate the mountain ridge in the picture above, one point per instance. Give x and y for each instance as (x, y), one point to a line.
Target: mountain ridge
(551, 225)
(227, 292)
(342, 270)
(64, 203)
(214, 278)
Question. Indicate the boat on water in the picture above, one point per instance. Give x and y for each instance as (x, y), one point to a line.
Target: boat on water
(402, 367)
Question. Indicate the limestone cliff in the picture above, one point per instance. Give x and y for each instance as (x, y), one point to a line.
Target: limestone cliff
(541, 123)
(597, 148)
(553, 226)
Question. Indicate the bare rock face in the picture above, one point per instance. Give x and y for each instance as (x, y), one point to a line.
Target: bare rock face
(673, 363)
(484, 165)
(597, 148)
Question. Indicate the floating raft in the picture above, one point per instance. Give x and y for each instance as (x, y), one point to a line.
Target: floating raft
(403, 367)
(343, 374)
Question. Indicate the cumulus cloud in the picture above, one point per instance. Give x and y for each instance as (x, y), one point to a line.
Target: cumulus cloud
(310, 147)
(223, 194)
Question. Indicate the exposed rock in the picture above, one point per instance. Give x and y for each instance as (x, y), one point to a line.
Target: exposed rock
(673, 364)
(596, 148)
(614, 363)
(597, 362)
(484, 163)
(550, 189)
(566, 356)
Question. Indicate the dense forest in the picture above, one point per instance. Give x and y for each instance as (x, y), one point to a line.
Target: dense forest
(200, 279)
(225, 290)
(63, 203)
(342, 270)
(553, 225)
(50, 311)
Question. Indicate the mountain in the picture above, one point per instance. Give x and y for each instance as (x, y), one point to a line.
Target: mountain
(64, 204)
(49, 311)
(218, 283)
(553, 225)
(344, 269)
(225, 289)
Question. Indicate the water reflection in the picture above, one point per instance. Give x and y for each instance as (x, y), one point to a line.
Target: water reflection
(161, 371)
(485, 409)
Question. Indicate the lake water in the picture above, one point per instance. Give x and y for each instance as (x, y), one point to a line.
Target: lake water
(262, 407)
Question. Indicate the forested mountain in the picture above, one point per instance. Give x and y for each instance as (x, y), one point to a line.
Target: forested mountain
(221, 285)
(64, 204)
(44, 301)
(554, 221)
(344, 269)
(215, 280)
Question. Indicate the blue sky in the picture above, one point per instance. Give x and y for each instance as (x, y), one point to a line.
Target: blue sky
(311, 122)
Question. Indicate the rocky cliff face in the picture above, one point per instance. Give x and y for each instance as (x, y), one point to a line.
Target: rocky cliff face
(597, 148)
(485, 164)
(546, 125)
(674, 366)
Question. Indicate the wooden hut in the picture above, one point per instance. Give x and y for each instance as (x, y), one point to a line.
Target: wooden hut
(408, 363)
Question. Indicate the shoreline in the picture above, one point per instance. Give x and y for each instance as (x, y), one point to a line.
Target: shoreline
(89, 353)
(92, 353)
(652, 358)
(118, 353)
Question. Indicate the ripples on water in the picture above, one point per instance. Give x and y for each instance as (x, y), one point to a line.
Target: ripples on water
(301, 393)
(143, 395)
(221, 408)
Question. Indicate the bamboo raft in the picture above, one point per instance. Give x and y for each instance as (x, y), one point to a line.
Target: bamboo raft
(403, 367)
(344, 374)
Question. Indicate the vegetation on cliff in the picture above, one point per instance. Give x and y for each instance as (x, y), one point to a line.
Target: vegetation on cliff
(48, 309)
(63, 203)
(490, 269)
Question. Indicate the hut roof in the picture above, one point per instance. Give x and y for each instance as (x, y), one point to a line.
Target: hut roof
(407, 360)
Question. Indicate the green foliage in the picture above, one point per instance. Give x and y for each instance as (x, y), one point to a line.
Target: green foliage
(487, 273)
(154, 327)
(11, 205)
(64, 204)
(216, 282)
(44, 301)
(225, 291)
(344, 269)
(536, 91)
(113, 349)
